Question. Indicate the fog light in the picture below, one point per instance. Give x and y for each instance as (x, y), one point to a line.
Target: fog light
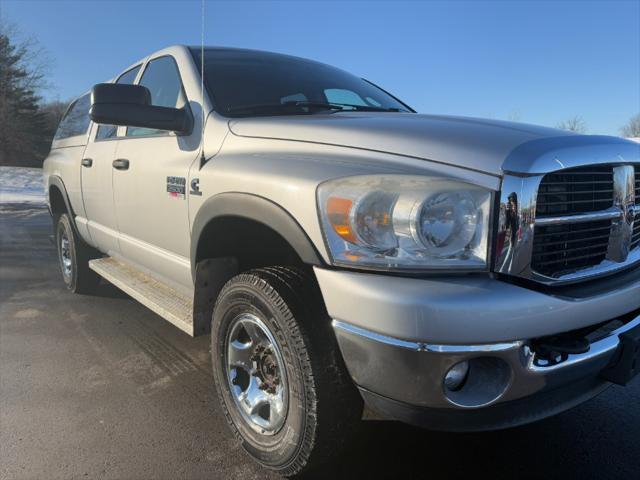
(456, 376)
(477, 382)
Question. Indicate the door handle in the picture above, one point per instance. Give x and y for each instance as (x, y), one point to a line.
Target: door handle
(87, 162)
(121, 164)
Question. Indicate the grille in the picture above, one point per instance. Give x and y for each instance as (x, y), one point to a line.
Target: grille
(565, 248)
(635, 240)
(575, 191)
(562, 249)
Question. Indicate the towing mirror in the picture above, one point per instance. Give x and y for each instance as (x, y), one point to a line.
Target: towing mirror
(130, 106)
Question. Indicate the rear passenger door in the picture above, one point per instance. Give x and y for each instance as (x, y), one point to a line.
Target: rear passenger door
(150, 183)
(97, 186)
(67, 149)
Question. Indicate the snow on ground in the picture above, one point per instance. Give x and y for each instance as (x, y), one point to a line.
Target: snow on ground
(21, 185)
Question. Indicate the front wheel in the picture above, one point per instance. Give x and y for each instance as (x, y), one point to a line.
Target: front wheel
(279, 374)
(73, 256)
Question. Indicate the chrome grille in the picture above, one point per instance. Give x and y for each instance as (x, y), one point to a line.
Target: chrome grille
(562, 249)
(635, 239)
(578, 190)
(577, 211)
(559, 199)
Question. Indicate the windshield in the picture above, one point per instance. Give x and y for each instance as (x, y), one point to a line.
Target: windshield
(251, 83)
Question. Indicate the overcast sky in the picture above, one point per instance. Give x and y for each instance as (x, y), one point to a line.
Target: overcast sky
(537, 62)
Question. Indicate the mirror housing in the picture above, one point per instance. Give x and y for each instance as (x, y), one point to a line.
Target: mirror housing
(130, 106)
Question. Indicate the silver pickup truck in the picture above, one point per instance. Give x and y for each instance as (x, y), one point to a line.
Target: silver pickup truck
(456, 273)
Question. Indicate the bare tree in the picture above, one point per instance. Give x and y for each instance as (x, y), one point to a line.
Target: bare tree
(632, 129)
(515, 115)
(573, 124)
(55, 110)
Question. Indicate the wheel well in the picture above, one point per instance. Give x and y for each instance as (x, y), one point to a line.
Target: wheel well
(56, 201)
(251, 243)
(229, 245)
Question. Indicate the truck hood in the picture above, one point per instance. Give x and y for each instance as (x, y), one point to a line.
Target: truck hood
(471, 143)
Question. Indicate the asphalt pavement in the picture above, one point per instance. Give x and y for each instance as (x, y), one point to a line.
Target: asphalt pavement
(100, 387)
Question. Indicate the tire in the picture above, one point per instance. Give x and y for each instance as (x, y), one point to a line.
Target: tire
(73, 258)
(323, 407)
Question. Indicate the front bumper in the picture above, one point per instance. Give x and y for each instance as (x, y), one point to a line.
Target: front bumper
(512, 384)
(496, 417)
(401, 369)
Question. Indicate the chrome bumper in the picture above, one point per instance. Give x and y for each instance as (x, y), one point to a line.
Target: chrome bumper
(413, 372)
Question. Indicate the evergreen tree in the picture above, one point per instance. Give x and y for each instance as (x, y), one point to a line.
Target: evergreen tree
(24, 131)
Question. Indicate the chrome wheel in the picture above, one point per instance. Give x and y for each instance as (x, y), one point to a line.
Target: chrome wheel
(256, 374)
(65, 254)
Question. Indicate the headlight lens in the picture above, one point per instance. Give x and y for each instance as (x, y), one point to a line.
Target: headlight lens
(405, 222)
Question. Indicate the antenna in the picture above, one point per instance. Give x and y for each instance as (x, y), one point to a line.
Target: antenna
(202, 158)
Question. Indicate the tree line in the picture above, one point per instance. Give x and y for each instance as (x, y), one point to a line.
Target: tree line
(28, 123)
(578, 125)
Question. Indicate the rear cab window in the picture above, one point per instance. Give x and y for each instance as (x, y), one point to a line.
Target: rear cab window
(74, 125)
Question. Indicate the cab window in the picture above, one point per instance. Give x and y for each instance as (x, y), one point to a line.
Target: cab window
(76, 121)
(162, 78)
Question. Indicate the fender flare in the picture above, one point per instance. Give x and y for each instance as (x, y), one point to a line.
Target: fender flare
(56, 181)
(258, 209)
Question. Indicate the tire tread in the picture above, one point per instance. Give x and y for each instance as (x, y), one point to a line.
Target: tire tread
(333, 405)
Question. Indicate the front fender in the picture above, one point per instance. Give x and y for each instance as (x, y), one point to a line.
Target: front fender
(258, 209)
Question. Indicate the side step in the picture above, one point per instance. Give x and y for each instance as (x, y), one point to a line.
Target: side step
(174, 306)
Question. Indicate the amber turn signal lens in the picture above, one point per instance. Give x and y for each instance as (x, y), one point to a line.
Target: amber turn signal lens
(338, 213)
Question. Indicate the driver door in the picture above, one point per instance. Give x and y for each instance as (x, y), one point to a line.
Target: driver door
(150, 174)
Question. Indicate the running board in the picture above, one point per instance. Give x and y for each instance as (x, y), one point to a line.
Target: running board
(173, 306)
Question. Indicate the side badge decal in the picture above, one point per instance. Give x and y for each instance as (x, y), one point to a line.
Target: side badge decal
(176, 187)
(195, 187)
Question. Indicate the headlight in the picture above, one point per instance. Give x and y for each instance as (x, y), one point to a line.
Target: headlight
(405, 222)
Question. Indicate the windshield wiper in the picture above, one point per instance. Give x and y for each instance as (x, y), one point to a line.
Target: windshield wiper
(365, 108)
(305, 106)
(344, 107)
(279, 107)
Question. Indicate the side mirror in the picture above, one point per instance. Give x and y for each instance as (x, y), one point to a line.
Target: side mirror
(130, 106)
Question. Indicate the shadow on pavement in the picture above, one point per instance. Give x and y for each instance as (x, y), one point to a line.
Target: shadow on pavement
(566, 446)
(107, 290)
